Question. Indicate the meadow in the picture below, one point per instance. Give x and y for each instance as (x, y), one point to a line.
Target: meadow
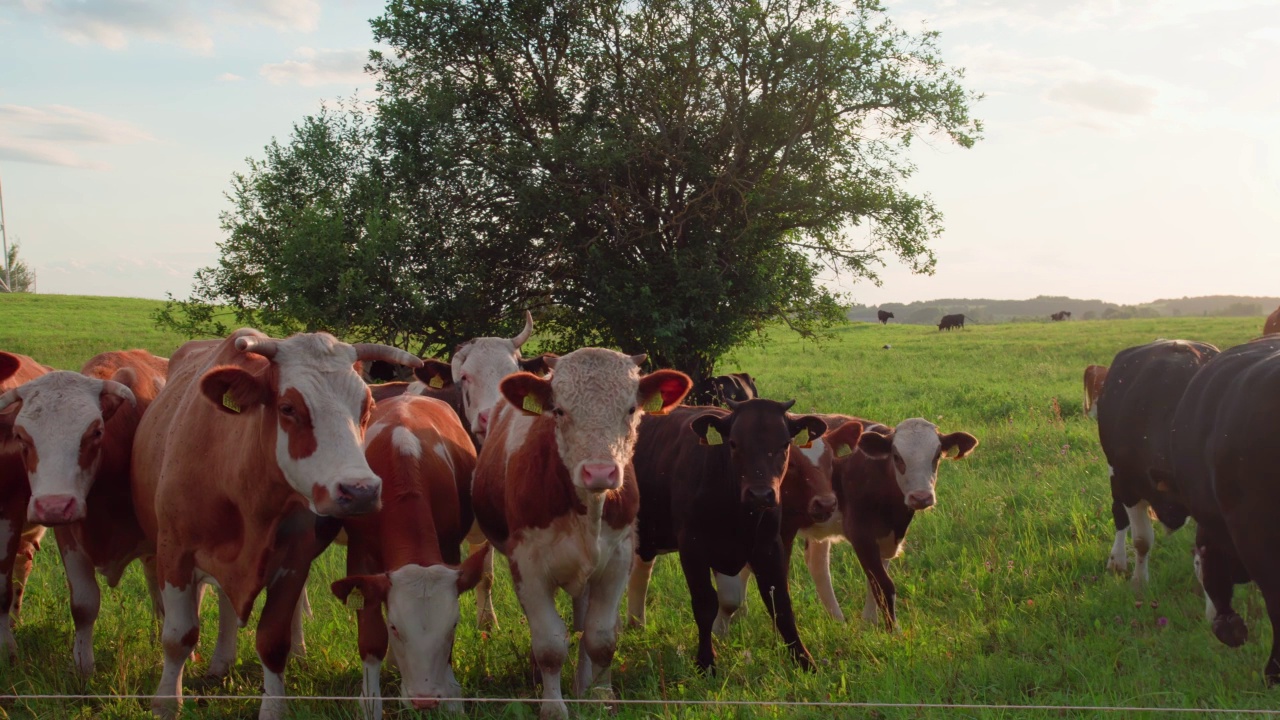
(1003, 595)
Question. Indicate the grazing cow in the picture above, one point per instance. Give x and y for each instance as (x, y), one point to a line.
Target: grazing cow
(736, 387)
(884, 316)
(556, 493)
(951, 321)
(1224, 469)
(77, 430)
(21, 539)
(1135, 416)
(711, 480)
(1094, 377)
(251, 438)
(1272, 325)
(1060, 316)
(405, 556)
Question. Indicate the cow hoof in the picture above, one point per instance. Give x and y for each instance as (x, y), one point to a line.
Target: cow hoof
(487, 620)
(1230, 630)
(164, 708)
(556, 710)
(1118, 564)
(720, 628)
(635, 622)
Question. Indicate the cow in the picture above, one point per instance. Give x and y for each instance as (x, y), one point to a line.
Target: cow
(21, 538)
(711, 482)
(951, 321)
(1272, 325)
(1060, 316)
(250, 439)
(405, 557)
(1135, 416)
(1094, 377)
(555, 492)
(719, 390)
(77, 432)
(1224, 470)
(884, 316)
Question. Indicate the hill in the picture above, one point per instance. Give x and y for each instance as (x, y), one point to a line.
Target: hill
(1038, 309)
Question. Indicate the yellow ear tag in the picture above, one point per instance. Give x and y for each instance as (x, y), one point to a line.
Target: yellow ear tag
(653, 405)
(843, 450)
(532, 405)
(355, 600)
(229, 402)
(802, 439)
(436, 382)
(713, 436)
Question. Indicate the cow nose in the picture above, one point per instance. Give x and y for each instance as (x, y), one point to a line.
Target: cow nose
(425, 702)
(822, 507)
(919, 500)
(55, 509)
(761, 497)
(600, 476)
(359, 496)
(482, 422)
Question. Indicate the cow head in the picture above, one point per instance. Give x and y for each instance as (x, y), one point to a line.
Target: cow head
(421, 641)
(596, 397)
(807, 486)
(915, 447)
(759, 435)
(313, 408)
(60, 422)
(479, 365)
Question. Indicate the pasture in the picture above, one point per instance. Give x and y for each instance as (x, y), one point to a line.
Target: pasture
(1003, 596)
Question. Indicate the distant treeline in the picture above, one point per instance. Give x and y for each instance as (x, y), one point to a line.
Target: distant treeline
(1038, 309)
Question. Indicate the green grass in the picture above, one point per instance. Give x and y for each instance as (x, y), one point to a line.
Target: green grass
(1003, 596)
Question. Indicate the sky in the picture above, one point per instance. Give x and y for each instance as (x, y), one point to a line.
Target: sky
(1131, 148)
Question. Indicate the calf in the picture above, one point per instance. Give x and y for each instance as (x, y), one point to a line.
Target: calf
(77, 431)
(1135, 415)
(951, 321)
(404, 556)
(556, 493)
(711, 480)
(736, 387)
(1272, 325)
(884, 316)
(251, 438)
(21, 538)
(1094, 377)
(1223, 442)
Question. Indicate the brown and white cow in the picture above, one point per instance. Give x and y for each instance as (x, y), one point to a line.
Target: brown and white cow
(405, 556)
(77, 432)
(1094, 378)
(20, 538)
(251, 438)
(556, 493)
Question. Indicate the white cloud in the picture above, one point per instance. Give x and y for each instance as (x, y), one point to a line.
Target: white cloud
(1107, 94)
(1065, 16)
(319, 67)
(290, 15)
(229, 77)
(48, 135)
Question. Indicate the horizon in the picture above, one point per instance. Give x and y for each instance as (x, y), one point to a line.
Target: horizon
(1133, 144)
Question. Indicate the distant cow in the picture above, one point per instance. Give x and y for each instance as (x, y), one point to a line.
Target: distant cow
(951, 321)
(250, 439)
(1135, 416)
(735, 387)
(884, 316)
(1225, 470)
(1094, 377)
(1060, 316)
(1272, 325)
(77, 430)
(22, 538)
(405, 556)
(556, 493)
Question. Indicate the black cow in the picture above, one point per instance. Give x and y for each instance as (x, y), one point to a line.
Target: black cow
(1060, 316)
(1224, 439)
(883, 316)
(719, 390)
(711, 482)
(951, 321)
(1135, 415)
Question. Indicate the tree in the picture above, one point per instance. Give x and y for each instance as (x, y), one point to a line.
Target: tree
(21, 277)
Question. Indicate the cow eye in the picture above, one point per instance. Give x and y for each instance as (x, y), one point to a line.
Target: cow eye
(97, 433)
(558, 412)
(287, 410)
(631, 410)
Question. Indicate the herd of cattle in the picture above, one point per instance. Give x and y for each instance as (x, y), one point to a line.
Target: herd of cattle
(235, 462)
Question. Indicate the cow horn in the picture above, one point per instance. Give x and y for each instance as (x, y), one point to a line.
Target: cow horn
(787, 405)
(639, 359)
(120, 389)
(733, 404)
(266, 347)
(9, 398)
(524, 334)
(386, 353)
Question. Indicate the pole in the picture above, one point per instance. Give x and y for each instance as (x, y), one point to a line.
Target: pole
(4, 244)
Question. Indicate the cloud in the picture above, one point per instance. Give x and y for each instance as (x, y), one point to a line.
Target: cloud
(1067, 16)
(1107, 94)
(229, 77)
(290, 15)
(319, 67)
(47, 135)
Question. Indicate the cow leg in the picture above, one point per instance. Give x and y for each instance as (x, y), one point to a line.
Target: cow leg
(1118, 561)
(600, 622)
(486, 617)
(1214, 570)
(769, 564)
(297, 639)
(547, 633)
(11, 534)
(274, 638)
(702, 595)
(23, 562)
(1144, 537)
(180, 597)
(881, 590)
(371, 688)
(580, 610)
(637, 589)
(224, 650)
(86, 598)
(817, 556)
(731, 592)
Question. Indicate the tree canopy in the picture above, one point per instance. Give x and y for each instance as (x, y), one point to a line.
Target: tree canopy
(20, 277)
(663, 176)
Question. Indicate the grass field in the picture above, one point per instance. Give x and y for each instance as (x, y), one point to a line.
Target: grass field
(1003, 597)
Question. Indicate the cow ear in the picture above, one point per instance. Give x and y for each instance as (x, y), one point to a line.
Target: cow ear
(360, 591)
(875, 445)
(9, 365)
(233, 390)
(805, 429)
(8, 417)
(962, 442)
(472, 569)
(529, 393)
(843, 440)
(710, 429)
(538, 365)
(662, 390)
(434, 373)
